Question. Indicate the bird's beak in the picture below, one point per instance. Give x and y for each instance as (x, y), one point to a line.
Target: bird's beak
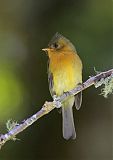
(45, 50)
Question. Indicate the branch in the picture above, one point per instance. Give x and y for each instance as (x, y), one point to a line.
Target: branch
(97, 80)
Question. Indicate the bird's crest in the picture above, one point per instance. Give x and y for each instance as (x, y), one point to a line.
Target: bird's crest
(58, 37)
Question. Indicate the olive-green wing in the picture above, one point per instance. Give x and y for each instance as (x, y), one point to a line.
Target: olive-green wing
(50, 81)
(78, 100)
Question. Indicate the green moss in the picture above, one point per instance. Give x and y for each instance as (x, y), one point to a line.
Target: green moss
(108, 86)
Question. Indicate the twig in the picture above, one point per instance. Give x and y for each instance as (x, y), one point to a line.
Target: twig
(49, 106)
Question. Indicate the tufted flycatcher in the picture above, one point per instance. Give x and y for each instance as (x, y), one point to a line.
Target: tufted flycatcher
(64, 74)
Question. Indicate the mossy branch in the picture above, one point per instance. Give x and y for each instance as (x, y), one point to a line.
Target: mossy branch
(14, 128)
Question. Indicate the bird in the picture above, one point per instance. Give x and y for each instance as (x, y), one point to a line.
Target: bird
(64, 74)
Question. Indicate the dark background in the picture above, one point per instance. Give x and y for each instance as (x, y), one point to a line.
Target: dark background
(26, 26)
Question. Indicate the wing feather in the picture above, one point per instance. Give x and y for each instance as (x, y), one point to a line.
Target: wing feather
(78, 100)
(50, 80)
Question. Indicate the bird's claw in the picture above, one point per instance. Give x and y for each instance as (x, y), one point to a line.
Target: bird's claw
(56, 101)
(69, 93)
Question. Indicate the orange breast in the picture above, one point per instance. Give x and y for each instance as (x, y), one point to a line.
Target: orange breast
(66, 70)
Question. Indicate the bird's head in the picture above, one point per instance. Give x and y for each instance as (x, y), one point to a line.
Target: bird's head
(59, 44)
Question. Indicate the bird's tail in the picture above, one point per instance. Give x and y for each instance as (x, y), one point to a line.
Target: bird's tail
(68, 122)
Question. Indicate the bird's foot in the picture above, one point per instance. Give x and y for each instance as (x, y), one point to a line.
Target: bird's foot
(56, 101)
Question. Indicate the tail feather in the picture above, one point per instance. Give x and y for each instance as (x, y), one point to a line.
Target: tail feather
(68, 123)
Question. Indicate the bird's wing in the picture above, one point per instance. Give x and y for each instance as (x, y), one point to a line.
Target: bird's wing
(50, 80)
(52, 92)
(78, 100)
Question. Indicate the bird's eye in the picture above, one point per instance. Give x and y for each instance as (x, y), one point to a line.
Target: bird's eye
(55, 46)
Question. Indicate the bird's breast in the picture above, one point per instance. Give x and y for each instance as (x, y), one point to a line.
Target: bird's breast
(66, 71)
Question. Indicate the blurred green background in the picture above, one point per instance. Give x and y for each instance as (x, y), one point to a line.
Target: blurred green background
(26, 26)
